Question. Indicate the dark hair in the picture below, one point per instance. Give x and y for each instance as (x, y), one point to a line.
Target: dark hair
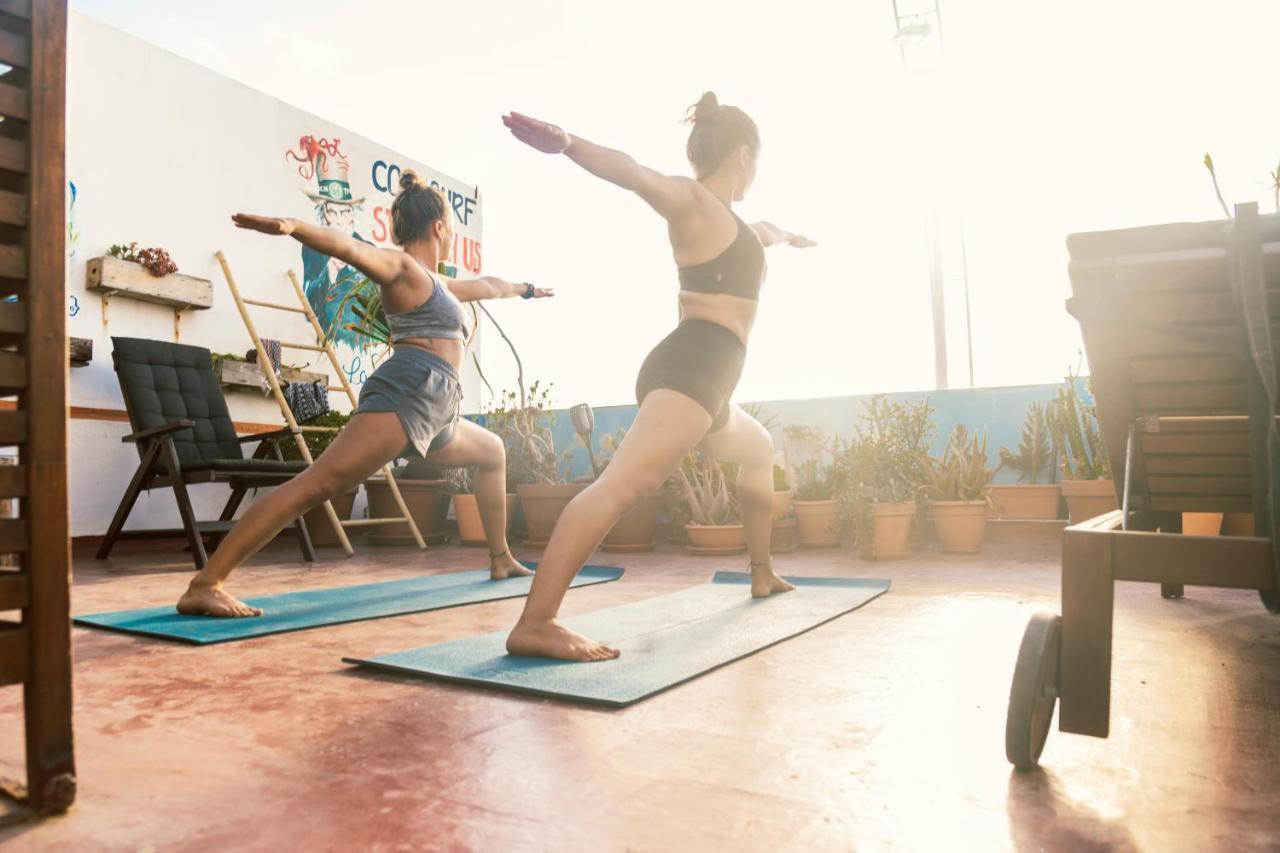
(416, 208)
(718, 129)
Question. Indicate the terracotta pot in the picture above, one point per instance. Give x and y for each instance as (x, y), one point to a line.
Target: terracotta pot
(961, 525)
(542, 504)
(818, 523)
(634, 531)
(1202, 523)
(1022, 502)
(715, 539)
(466, 511)
(781, 504)
(322, 533)
(428, 504)
(783, 539)
(1088, 499)
(891, 529)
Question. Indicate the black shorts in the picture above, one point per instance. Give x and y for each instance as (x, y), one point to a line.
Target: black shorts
(699, 359)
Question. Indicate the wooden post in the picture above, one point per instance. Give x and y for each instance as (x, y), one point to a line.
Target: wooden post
(1088, 591)
(265, 363)
(51, 778)
(351, 395)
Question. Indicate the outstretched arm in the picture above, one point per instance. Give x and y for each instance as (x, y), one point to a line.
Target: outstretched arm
(772, 235)
(671, 196)
(383, 266)
(491, 287)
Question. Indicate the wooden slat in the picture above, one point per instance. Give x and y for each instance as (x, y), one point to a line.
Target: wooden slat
(15, 654)
(1223, 444)
(14, 590)
(1108, 278)
(17, 8)
(13, 428)
(13, 481)
(1194, 307)
(1225, 466)
(1206, 424)
(14, 50)
(13, 208)
(13, 262)
(13, 321)
(13, 535)
(13, 154)
(13, 372)
(1203, 486)
(13, 102)
(1190, 397)
(274, 305)
(311, 347)
(1201, 504)
(371, 522)
(1149, 239)
(1236, 562)
(1206, 368)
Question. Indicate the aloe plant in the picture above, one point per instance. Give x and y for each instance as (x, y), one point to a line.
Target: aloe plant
(1035, 447)
(707, 492)
(961, 473)
(1077, 439)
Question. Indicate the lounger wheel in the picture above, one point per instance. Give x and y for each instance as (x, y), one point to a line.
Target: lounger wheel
(1171, 590)
(1034, 692)
(1271, 598)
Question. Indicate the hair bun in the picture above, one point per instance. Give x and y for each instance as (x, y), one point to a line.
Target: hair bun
(708, 105)
(409, 180)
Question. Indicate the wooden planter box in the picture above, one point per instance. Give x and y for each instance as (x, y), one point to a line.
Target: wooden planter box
(114, 277)
(245, 374)
(80, 351)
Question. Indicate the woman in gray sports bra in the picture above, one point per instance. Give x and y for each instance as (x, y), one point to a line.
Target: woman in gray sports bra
(409, 406)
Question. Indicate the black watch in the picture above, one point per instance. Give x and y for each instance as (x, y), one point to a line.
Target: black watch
(528, 291)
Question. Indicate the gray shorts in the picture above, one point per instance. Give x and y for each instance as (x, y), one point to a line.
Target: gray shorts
(424, 392)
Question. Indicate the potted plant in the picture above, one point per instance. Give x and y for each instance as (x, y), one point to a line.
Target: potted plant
(879, 469)
(538, 474)
(1086, 470)
(784, 536)
(634, 532)
(811, 458)
(460, 483)
(322, 532)
(425, 493)
(715, 526)
(1033, 458)
(955, 485)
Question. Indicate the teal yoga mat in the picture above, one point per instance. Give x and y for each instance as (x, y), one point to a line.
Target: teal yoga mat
(296, 611)
(664, 641)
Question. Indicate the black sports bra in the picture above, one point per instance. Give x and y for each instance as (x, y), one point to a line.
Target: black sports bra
(738, 271)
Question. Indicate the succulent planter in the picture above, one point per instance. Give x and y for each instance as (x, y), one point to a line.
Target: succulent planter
(1088, 499)
(318, 526)
(542, 504)
(716, 539)
(784, 537)
(428, 504)
(891, 530)
(114, 277)
(818, 523)
(634, 532)
(1024, 502)
(961, 525)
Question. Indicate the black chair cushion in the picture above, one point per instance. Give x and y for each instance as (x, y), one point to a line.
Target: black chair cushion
(247, 466)
(164, 382)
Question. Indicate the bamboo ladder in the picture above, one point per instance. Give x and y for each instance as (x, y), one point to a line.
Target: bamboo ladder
(339, 526)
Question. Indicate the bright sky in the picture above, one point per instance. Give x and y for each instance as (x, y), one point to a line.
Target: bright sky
(1047, 118)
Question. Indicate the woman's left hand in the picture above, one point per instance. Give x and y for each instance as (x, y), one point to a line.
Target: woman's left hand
(800, 241)
(541, 292)
(542, 135)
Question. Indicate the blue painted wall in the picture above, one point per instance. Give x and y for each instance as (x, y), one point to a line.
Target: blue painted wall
(998, 411)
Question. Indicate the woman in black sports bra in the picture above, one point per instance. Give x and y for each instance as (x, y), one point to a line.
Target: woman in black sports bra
(685, 384)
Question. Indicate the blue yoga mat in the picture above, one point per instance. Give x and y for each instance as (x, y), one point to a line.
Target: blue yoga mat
(295, 611)
(664, 641)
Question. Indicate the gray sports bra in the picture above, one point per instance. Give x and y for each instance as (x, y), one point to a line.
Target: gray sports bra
(440, 316)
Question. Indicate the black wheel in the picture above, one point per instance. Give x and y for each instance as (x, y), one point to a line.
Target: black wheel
(1271, 598)
(1034, 692)
(1171, 590)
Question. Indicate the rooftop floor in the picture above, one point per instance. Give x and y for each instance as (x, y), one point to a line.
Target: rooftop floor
(882, 728)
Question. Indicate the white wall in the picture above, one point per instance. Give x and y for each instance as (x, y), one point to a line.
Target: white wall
(161, 151)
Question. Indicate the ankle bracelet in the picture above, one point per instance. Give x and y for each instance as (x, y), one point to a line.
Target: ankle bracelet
(767, 564)
(499, 554)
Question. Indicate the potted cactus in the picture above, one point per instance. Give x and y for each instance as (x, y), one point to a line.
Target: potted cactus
(1033, 459)
(1082, 455)
(811, 457)
(955, 485)
(634, 532)
(715, 526)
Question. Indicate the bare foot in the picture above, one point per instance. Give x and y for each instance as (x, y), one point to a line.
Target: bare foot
(507, 566)
(201, 600)
(765, 582)
(553, 640)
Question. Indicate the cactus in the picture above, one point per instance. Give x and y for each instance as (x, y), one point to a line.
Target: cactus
(1077, 440)
(525, 430)
(707, 492)
(961, 474)
(1035, 448)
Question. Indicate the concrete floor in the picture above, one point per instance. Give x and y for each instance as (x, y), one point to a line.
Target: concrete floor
(882, 729)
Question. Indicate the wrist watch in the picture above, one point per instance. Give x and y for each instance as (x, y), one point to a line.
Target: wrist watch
(528, 291)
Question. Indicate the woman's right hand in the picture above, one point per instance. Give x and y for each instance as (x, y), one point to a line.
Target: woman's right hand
(544, 136)
(265, 224)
